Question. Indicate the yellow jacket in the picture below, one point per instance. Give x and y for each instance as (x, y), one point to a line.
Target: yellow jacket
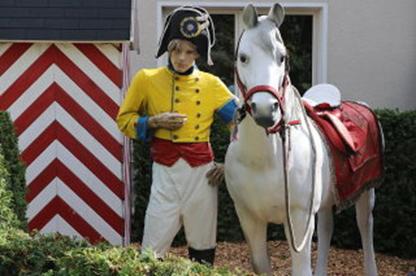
(198, 95)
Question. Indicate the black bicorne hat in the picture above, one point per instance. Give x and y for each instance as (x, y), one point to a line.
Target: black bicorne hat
(190, 23)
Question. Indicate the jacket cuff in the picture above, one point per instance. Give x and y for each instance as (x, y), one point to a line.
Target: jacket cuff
(226, 112)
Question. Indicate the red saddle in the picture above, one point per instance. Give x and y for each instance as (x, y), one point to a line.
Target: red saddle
(353, 134)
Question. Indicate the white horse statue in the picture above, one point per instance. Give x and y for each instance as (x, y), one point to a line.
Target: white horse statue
(278, 169)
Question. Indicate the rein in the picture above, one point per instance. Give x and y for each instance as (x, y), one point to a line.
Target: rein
(280, 127)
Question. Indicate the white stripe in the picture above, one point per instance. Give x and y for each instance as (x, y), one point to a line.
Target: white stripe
(51, 226)
(88, 214)
(90, 106)
(41, 162)
(21, 65)
(88, 141)
(34, 91)
(33, 131)
(4, 47)
(89, 68)
(58, 224)
(111, 53)
(41, 200)
(57, 150)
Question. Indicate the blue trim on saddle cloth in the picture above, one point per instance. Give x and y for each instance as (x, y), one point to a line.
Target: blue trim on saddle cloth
(226, 112)
(143, 134)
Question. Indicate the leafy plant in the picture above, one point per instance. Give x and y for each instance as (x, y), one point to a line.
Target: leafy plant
(7, 215)
(16, 181)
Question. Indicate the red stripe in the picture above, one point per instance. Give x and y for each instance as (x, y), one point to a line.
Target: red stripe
(58, 169)
(102, 62)
(86, 84)
(40, 143)
(12, 54)
(35, 110)
(41, 181)
(59, 207)
(26, 79)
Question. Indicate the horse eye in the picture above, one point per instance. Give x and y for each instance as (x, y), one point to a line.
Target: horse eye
(282, 59)
(243, 58)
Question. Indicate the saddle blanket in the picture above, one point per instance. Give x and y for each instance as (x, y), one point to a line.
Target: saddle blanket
(355, 140)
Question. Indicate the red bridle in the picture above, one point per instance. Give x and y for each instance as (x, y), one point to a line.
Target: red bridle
(279, 94)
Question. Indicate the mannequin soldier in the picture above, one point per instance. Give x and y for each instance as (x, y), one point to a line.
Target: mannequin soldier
(173, 107)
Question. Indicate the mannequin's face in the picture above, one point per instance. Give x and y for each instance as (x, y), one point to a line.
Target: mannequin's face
(183, 55)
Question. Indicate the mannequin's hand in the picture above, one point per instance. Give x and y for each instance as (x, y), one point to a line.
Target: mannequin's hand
(167, 120)
(216, 174)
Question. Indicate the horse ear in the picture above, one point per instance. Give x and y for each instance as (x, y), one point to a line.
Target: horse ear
(250, 16)
(277, 14)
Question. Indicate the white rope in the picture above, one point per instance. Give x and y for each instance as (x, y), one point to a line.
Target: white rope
(292, 237)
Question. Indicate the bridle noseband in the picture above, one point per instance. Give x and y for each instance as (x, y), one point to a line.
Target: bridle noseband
(279, 94)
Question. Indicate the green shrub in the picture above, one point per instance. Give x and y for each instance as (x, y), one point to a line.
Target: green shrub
(7, 216)
(54, 254)
(395, 199)
(128, 261)
(16, 182)
(23, 254)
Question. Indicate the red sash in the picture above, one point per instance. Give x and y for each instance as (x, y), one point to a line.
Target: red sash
(166, 152)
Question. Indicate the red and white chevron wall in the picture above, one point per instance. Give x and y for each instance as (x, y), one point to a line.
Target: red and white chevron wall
(63, 99)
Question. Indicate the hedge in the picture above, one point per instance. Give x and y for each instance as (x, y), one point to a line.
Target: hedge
(16, 182)
(54, 254)
(394, 213)
(7, 215)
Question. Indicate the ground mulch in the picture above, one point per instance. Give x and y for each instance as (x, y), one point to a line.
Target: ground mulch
(341, 262)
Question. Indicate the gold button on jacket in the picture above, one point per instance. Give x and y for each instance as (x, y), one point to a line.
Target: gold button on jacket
(159, 90)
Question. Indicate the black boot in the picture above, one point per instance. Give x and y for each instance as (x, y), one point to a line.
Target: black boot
(205, 256)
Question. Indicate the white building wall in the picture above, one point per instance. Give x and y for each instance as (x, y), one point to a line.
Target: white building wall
(372, 51)
(366, 47)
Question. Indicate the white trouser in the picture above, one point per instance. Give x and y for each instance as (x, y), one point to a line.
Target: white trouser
(181, 195)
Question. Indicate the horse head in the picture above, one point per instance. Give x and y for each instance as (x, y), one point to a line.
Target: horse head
(261, 66)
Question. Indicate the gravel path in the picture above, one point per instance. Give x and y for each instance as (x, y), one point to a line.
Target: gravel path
(341, 262)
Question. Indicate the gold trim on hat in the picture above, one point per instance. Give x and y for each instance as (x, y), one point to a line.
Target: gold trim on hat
(194, 34)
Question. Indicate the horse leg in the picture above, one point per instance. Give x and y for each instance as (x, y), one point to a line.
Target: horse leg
(325, 230)
(301, 262)
(363, 208)
(255, 232)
